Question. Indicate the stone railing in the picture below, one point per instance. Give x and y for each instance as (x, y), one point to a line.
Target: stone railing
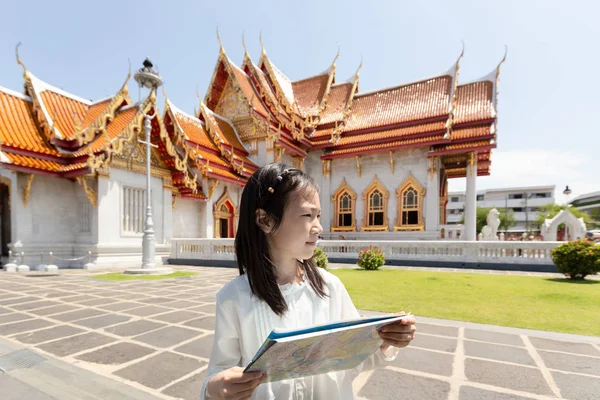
(451, 231)
(524, 253)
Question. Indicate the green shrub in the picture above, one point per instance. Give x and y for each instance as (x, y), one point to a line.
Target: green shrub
(577, 259)
(320, 258)
(371, 258)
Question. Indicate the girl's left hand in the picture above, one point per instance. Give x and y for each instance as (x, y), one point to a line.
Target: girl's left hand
(399, 333)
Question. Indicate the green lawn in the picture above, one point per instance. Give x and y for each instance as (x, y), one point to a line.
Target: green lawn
(557, 305)
(118, 276)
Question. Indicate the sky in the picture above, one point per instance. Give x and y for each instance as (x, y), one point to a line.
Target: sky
(549, 91)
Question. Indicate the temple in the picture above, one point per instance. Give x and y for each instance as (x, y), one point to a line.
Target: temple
(73, 170)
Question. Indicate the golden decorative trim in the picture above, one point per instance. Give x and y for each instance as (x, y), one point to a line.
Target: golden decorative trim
(89, 192)
(358, 165)
(336, 135)
(366, 195)
(432, 166)
(27, 190)
(140, 168)
(472, 164)
(392, 166)
(173, 201)
(336, 198)
(326, 164)
(218, 214)
(298, 162)
(212, 185)
(279, 151)
(410, 183)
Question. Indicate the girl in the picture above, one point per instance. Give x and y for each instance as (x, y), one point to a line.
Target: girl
(280, 286)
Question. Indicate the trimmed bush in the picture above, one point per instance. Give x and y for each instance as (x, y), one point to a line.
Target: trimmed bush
(577, 259)
(320, 258)
(371, 258)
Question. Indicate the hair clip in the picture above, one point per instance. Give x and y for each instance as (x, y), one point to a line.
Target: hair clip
(271, 190)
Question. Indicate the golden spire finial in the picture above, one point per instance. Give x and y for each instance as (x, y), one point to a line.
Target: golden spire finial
(357, 74)
(262, 45)
(244, 44)
(337, 56)
(198, 93)
(164, 93)
(219, 40)
(124, 86)
(503, 60)
(19, 58)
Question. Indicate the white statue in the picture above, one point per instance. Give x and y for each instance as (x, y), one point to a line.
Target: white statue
(490, 231)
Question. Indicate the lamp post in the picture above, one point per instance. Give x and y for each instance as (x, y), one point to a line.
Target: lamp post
(566, 192)
(148, 78)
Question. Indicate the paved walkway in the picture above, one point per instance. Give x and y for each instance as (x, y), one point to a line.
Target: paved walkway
(71, 337)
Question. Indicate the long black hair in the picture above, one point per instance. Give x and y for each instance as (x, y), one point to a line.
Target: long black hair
(270, 189)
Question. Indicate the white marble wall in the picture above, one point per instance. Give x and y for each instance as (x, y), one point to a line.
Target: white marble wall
(188, 219)
(409, 161)
(208, 220)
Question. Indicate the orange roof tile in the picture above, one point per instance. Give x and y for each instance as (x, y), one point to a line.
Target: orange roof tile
(18, 126)
(321, 134)
(461, 146)
(114, 129)
(95, 111)
(386, 146)
(265, 88)
(412, 102)
(336, 103)
(247, 88)
(474, 102)
(387, 134)
(62, 111)
(309, 93)
(471, 132)
(33, 162)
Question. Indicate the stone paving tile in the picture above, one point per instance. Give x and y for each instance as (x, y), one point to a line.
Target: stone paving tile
(116, 354)
(434, 342)
(495, 337)
(131, 296)
(23, 326)
(146, 311)
(134, 328)
(208, 308)
(451, 331)
(8, 296)
(125, 305)
(571, 363)
(508, 376)
(102, 321)
(54, 309)
(424, 361)
(60, 295)
(159, 370)
(75, 315)
(18, 300)
(14, 389)
(12, 317)
(568, 347)
(167, 336)
(200, 347)
(97, 302)
(77, 299)
(498, 352)
(75, 344)
(177, 316)
(576, 386)
(405, 387)
(207, 323)
(4, 310)
(35, 304)
(46, 335)
(157, 300)
(471, 393)
(187, 389)
(182, 304)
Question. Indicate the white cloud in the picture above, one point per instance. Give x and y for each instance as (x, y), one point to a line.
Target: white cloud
(534, 167)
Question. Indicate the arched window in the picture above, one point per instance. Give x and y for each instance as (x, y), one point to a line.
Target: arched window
(410, 196)
(344, 200)
(224, 217)
(375, 198)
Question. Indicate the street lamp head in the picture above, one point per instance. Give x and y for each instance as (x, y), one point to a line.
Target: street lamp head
(567, 191)
(147, 77)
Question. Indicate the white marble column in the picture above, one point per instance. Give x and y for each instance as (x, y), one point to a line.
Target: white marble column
(469, 232)
(432, 196)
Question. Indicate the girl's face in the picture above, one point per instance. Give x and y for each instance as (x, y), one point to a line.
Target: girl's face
(299, 229)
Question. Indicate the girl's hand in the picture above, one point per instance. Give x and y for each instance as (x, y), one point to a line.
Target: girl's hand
(233, 384)
(399, 333)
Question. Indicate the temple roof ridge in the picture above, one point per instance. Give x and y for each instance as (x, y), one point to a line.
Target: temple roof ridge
(15, 93)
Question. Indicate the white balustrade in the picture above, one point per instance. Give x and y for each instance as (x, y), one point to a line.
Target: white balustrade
(439, 250)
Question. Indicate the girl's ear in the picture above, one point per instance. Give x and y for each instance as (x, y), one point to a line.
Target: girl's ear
(264, 221)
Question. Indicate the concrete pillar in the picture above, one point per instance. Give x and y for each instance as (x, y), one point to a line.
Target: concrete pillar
(470, 233)
(432, 196)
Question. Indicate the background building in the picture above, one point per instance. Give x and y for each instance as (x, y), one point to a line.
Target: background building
(590, 203)
(522, 201)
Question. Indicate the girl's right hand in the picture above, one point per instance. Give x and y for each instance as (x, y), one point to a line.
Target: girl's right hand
(233, 384)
